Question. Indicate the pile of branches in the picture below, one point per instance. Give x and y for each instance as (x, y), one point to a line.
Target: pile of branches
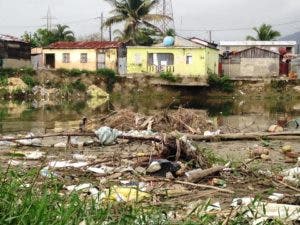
(182, 120)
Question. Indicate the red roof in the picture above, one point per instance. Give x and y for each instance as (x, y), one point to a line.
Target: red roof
(85, 45)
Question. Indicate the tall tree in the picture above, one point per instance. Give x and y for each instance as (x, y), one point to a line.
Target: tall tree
(63, 33)
(43, 37)
(264, 33)
(136, 14)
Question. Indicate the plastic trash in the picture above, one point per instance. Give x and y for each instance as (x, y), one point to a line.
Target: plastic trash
(34, 155)
(276, 197)
(293, 124)
(107, 135)
(64, 164)
(210, 133)
(161, 167)
(79, 187)
(124, 194)
(35, 141)
(103, 170)
(46, 173)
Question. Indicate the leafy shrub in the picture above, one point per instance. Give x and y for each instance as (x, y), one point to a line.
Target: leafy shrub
(3, 80)
(78, 85)
(279, 85)
(4, 93)
(75, 72)
(223, 83)
(8, 72)
(18, 94)
(27, 71)
(109, 75)
(168, 76)
(29, 80)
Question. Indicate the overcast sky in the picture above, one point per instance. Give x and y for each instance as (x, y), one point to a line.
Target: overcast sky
(192, 17)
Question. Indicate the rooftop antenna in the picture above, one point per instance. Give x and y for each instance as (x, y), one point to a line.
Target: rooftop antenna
(165, 7)
(49, 19)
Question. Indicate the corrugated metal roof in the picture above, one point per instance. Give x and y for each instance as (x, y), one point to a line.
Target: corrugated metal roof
(6, 37)
(85, 45)
(261, 49)
(181, 42)
(258, 43)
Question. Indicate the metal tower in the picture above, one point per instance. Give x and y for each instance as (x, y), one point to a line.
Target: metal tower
(164, 7)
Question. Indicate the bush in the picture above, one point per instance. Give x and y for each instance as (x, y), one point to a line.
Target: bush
(3, 80)
(29, 80)
(223, 83)
(168, 76)
(78, 85)
(109, 75)
(27, 71)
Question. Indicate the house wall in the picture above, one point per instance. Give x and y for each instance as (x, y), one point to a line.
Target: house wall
(251, 67)
(16, 63)
(110, 58)
(137, 60)
(212, 60)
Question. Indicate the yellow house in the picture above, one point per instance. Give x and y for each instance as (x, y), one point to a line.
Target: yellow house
(85, 55)
(190, 58)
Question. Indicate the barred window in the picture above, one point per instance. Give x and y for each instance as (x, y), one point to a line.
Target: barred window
(83, 58)
(66, 57)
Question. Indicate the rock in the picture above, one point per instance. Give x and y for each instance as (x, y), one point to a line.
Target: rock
(170, 176)
(275, 129)
(154, 167)
(140, 170)
(96, 92)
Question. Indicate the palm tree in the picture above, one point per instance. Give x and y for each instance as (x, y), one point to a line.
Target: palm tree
(264, 33)
(62, 33)
(135, 14)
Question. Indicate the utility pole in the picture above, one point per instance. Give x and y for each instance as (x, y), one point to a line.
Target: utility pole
(110, 35)
(165, 8)
(102, 23)
(49, 19)
(210, 36)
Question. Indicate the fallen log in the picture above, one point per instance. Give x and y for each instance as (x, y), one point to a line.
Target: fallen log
(198, 174)
(245, 136)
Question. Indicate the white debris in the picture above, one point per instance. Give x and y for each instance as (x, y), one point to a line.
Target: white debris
(138, 133)
(211, 134)
(276, 197)
(60, 145)
(64, 164)
(79, 187)
(35, 141)
(154, 167)
(107, 135)
(80, 157)
(292, 172)
(103, 170)
(242, 201)
(34, 155)
(214, 207)
(14, 162)
(46, 173)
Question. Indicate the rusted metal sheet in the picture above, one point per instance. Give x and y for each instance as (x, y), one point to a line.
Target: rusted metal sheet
(85, 45)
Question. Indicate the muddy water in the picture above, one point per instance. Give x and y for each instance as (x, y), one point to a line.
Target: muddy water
(237, 113)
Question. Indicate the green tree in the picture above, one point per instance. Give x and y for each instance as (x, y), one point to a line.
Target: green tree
(44, 37)
(264, 33)
(63, 33)
(136, 15)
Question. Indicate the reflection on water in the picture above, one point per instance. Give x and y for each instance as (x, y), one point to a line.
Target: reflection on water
(240, 113)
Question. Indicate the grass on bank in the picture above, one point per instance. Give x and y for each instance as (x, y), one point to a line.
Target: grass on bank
(26, 198)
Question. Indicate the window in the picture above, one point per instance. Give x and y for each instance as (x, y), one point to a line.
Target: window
(160, 59)
(189, 59)
(83, 58)
(66, 57)
(138, 59)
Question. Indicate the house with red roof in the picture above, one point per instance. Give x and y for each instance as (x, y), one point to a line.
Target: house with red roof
(86, 55)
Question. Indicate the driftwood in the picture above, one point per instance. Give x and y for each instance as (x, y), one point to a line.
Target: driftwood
(196, 175)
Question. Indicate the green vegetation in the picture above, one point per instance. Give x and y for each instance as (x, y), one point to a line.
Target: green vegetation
(78, 85)
(279, 85)
(43, 37)
(10, 72)
(168, 76)
(74, 72)
(136, 15)
(3, 80)
(29, 81)
(264, 33)
(109, 75)
(222, 83)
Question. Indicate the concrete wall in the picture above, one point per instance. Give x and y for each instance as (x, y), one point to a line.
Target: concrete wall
(202, 59)
(264, 67)
(16, 63)
(110, 58)
(252, 67)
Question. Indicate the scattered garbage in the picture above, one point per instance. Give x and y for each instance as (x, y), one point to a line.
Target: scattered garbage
(161, 167)
(259, 151)
(275, 129)
(210, 133)
(124, 194)
(46, 173)
(65, 164)
(79, 187)
(218, 182)
(35, 155)
(103, 170)
(107, 135)
(276, 197)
